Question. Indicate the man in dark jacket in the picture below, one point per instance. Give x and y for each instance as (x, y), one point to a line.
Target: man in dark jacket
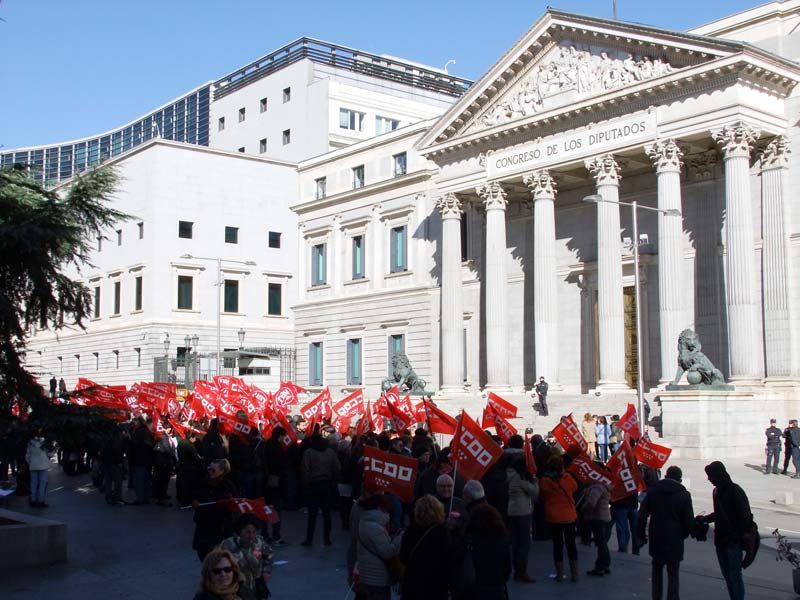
(732, 518)
(541, 392)
(320, 472)
(773, 449)
(669, 507)
(141, 460)
(793, 446)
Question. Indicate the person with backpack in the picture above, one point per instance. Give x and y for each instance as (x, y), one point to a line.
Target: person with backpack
(668, 507)
(733, 525)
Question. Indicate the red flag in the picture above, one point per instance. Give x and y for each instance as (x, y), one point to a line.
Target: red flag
(502, 407)
(420, 414)
(239, 426)
(392, 395)
(627, 476)
(277, 419)
(629, 423)
(530, 463)
(651, 454)
(285, 397)
(157, 394)
(349, 407)
(319, 407)
(260, 399)
(589, 472)
(158, 425)
(381, 407)
(473, 449)
(438, 420)
(400, 421)
(504, 429)
(393, 473)
(256, 506)
(569, 434)
(406, 407)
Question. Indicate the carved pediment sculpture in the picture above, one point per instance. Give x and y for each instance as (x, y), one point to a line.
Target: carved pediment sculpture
(570, 72)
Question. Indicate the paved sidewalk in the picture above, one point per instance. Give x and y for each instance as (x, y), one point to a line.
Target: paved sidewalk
(145, 552)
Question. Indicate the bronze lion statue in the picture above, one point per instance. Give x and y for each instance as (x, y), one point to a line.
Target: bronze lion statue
(694, 363)
(403, 376)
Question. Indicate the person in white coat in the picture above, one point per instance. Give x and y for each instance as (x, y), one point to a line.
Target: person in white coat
(38, 460)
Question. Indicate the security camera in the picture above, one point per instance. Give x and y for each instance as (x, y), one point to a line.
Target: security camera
(643, 239)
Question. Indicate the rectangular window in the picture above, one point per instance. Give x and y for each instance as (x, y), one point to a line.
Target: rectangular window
(274, 239)
(274, 299)
(140, 225)
(399, 161)
(320, 186)
(231, 235)
(358, 177)
(385, 125)
(287, 94)
(397, 250)
(318, 265)
(262, 145)
(119, 237)
(97, 302)
(231, 296)
(137, 298)
(287, 137)
(185, 229)
(354, 362)
(117, 297)
(229, 362)
(262, 105)
(351, 119)
(185, 289)
(397, 344)
(221, 124)
(358, 257)
(315, 363)
(242, 113)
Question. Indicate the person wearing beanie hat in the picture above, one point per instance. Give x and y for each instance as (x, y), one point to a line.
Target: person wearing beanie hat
(668, 506)
(732, 519)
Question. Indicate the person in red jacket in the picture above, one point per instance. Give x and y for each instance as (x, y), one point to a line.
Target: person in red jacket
(557, 490)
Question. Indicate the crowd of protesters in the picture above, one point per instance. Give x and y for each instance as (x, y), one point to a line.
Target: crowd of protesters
(459, 538)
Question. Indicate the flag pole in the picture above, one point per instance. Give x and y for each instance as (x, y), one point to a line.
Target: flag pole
(455, 467)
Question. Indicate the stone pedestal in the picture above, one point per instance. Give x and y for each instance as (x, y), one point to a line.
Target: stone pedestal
(27, 541)
(711, 425)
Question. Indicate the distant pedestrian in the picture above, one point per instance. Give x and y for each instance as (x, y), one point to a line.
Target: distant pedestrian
(541, 393)
(773, 448)
(597, 510)
(732, 519)
(589, 432)
(603, 431)
(557, 489)
(62, 389)
(794, 442)
(668, 506)
(38, 459)
(53, 387)
(787, 446)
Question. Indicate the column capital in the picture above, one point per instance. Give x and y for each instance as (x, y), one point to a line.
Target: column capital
(776, 154)
(736, 140)
(541, 184)
(449, 205)
(493, 195)
(605, 169)
(666, 155)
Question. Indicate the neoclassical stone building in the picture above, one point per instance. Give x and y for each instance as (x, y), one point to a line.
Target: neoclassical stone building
(466, 241)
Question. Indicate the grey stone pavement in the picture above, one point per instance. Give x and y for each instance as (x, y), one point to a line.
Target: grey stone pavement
(145, 552)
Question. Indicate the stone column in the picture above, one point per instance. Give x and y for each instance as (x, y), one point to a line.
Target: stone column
(666, 157)
(494, 197)
(378, 267)
(452, 346)
(775, 258)
(744, 346)
(545, 296)
(610, 307)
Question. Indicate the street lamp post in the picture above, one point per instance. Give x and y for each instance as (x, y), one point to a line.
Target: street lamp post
(219, 260)
(635, 243)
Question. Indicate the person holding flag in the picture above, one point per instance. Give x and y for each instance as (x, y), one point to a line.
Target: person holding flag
(253, 555)
(213, 523)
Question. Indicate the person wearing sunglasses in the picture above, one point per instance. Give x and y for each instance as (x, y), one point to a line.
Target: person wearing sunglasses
(220, 578)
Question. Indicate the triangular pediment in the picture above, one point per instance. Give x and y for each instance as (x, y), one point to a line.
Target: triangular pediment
(566, 58)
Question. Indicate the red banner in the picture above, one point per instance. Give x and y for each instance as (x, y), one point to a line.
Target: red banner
(347, 408)
(400, 420)
(530, 463)
(240, 427)
(651, 454)
(277, 419)
(407, 408)
(256, 506)
(473, 449)
(285, 397)
(589, 472)
(627, 477)
(629, 423)
(491, 419)
(390, 472)
(438, 420)
(502, 407)
(569, 434)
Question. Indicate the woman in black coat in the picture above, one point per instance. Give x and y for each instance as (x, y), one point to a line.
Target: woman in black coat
(424, 552)
(487, 547)
(213, 523)
(668, 506)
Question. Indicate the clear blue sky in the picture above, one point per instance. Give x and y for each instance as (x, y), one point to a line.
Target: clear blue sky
(73, 68)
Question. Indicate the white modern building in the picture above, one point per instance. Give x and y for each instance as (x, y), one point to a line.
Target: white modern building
(212, 245)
